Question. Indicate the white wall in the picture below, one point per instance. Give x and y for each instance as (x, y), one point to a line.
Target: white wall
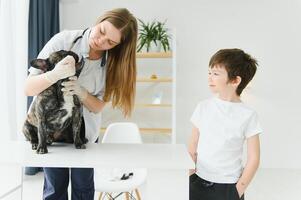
(269, 30)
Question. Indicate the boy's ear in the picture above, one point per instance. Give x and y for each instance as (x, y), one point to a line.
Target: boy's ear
(39, 64)
(236, 81)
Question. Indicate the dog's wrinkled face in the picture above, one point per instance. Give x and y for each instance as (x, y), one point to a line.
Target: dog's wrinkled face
(49, 63)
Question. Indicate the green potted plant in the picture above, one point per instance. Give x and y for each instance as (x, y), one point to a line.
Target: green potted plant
(153, 33)
(162, 36)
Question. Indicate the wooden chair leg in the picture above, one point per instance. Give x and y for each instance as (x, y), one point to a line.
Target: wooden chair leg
(127, 197)
(100, 195)
(137, 194)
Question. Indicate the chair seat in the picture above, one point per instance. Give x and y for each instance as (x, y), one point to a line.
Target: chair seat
(107, 180)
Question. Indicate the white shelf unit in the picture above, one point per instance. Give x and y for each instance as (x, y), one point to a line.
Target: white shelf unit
(156, 72)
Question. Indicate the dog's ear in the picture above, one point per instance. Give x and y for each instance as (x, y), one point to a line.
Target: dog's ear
(39, 64)
(75, 56)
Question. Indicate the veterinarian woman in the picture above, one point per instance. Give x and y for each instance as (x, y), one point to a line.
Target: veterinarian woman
(109, 74)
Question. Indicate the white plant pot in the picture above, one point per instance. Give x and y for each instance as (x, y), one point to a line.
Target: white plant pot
(154, 47)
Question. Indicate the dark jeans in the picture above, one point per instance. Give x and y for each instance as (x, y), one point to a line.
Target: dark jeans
(56, 182)
(200, 189)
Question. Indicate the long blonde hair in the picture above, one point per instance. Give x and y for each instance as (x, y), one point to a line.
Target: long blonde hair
(121, 63)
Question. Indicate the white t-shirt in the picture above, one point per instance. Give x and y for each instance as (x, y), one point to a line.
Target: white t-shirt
(92, 76)
(223, 128)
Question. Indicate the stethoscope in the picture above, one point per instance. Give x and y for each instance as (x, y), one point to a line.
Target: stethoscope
(105, 55)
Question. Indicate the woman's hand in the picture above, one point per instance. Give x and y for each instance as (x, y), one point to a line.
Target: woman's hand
(72, 87)
(63, 69)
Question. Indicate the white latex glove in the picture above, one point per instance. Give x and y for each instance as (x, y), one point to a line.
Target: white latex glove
(63, 69)
(72, 87)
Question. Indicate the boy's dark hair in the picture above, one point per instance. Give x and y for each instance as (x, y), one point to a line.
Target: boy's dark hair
(236, 63)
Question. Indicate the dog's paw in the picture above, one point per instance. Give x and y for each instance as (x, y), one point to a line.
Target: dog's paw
(42, 150)
(34, 146)
(85, 141)
(49, 141)
(80, 146)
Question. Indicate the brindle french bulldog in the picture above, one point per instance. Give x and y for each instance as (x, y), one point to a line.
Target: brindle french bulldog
(53, 116)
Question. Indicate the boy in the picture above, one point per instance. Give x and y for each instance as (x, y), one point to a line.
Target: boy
(221, 125)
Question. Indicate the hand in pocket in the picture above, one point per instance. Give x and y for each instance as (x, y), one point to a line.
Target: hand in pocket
(239, 190)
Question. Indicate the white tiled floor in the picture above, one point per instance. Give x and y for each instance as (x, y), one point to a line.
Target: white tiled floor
(271, 184)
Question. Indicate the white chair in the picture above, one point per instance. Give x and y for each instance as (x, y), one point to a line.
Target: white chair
(105, 179)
